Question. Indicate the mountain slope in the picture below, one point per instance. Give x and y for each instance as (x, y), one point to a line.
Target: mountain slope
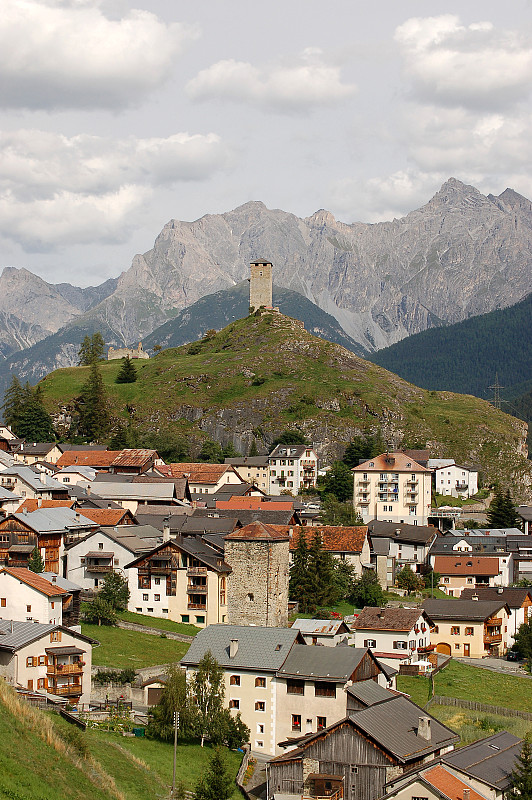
(219, 309)
(263, 374)
(465, 357)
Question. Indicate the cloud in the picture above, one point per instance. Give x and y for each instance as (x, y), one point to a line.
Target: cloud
(474, 66)
(284, 88)
(56, 190)
(56, 55)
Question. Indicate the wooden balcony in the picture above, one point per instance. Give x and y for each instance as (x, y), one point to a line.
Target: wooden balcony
(65, 669)
(494, 622)
(68, 690)
(193, 588)
(197, 606)
(196, 572)
(492, 638)
(160, 569)
(98, 567)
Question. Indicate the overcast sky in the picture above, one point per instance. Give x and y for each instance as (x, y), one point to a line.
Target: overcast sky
(117, 116)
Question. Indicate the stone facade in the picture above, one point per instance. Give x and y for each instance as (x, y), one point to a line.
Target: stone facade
(260, 284)
(123, 352)
(257, 591)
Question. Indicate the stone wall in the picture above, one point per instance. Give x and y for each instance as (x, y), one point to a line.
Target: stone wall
(258, 585)
(260, 285)
(123, 352)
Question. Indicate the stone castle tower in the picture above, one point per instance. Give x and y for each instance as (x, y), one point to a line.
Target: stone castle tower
(260, 284)
(257, 589)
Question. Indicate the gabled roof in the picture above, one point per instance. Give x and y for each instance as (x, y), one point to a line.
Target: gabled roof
(401, 531)
(87, 472)
(389, 619)
(467, 565)
(258, 532)
(390, 462)
(106, 516)
(491, 760)
(38, 482)
(123, 490)
(42, 585)
(36, 448)
(196, 473)
(194, 546)
(334, 538)
(48, 520)
(449, 785)
(248, 461)
(369, 692)
(322, 663)
(34, 503)
(134, 457)
(259, 647)
(474, 610)
(254, 503)
(88, 458)
(514, 597)
(68, 586)
(14, 634)
(321, 627)
(290, 450)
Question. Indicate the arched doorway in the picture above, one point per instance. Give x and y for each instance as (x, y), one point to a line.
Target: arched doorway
(444, 649)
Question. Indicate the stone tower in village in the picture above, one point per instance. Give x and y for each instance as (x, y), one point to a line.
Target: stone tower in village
(257, 589)
(260, 284)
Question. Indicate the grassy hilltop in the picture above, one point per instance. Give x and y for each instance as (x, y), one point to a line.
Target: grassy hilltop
(263, 374)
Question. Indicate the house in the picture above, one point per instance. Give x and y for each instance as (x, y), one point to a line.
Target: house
(46, 657)
(75, 474)
(525, 512)
(132, 495)
(292, 467)
(28, 484)
(435, 782)
(394, 488)
(486, 765)
(26, 595)
(90, 558)
(202, 478)
(97, 458)
(328, 632)
(461, 572)
(347, 543)
(397, 545)
(32, 505)
(520, 548)
(395, 635)
(518, 600)
(452, 479)
(281, 686)
(252, 469)
(469, 628)
(9, 501)
(353, 758)
(71, 599)
(31, 452)
(109, 517)
(135, 461)
(183, 579)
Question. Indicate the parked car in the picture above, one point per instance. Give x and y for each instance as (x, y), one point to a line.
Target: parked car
(514, 655)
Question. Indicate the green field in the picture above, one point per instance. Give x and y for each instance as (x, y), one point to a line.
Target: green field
(161, 624)
(471, 683)
(473, 725)
(120, 648)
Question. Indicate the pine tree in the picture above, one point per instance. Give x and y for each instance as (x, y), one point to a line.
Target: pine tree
(300, 589)
(253, 450)
(12, 402)
(92, 405)
(35, 562)
(339, 482)
(127, 372)
(91, 350)
(521, 777)
(322, 573)
(34, 422)
(502, 513)
(217, 783)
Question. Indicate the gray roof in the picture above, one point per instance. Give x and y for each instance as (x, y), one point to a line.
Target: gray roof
(5, 495)
(393, 725)
(477, 610)
(135, 538)
(322, 627)
(369, 692)
(401, 531)
(485, 532)
(136, 491)
(248, 461)
(322, 663)
(46, 520)
(525, 512)
(246, 516)
(14, 634)
(259, 648)
(488, 545)
(513, 596)
(68, 586)
(33, 479)
(88, 472)
(491, 759)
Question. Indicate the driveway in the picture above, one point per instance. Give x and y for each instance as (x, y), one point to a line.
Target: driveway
(496, 665)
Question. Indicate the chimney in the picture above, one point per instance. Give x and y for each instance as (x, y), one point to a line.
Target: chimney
(475, 597)
(54, 578)
(423, 728)
(466, 794)
(39, 502)
(88, 489)
(24, 509)
(499, 590)
(43, 478)
(78, 516)
(166, 529)
(233, 648)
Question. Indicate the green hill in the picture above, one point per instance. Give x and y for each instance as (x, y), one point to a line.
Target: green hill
(263, 374)
(466, 357)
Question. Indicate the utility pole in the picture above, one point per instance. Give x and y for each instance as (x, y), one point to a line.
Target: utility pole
(176, 726)
(496, 402)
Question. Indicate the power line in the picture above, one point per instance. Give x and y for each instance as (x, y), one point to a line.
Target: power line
(496, 387)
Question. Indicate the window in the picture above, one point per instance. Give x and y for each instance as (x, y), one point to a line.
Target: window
(144, 582)
(260, 682)
(200, 619)
(42, 661)
(469, 631)
(149, 610)
(251, 596)
(446, 580)
(259, 744)
(100, 546)
(322, 723)
(2, 602)
(370, 643)
(55, 636)
(185, 618)
(260, 705)
(234, 680)
(145, 597)
(29, 662)
(455, 630)
(324, 689)
(234, 703)
(354, 770)
(457, 647)
(412, 644)
(28, 608)
(156, 597)
(260, 728)
(400, 645)
(41, 683)
(296, 722)
(138, 610)
(165, 611)
(294, 686)
(157, 581)
(470, 580)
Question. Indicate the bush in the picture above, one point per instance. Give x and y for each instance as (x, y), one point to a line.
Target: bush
(104, 676)
(76, 741)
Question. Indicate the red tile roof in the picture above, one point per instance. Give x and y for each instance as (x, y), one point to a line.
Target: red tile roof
(196, 473)
(105, 516)
(32, 579)
(451, 786)
(335, 538)
(34, 504)
(258, 531)
(390, 462)
(88, 458)
(466, 565)
(134, 458)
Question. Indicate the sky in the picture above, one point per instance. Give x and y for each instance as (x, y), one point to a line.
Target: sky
(119, 115)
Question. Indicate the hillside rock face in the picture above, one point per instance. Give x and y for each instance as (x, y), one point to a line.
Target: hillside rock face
(460, 255)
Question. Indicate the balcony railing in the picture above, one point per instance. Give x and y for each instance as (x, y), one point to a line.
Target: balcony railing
(196, 571)
(160, 569)
(69, 690)
(197, 606)
(362, 480)
(494, 621)
(65, 669)
(98, 567)
(193, 588)
(492, 638)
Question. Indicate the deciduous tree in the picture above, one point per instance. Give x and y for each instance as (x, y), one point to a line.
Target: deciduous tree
(408, 580)
(367, 590)
(208, 692)
(333, 512)
(99, 612)
(338, 482)
(115, 591)
(174, 699)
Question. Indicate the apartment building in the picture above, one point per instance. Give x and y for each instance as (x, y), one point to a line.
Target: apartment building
(292, 467)
(394, 488)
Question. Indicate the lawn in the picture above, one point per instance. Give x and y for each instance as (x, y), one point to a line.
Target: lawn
(120, 648)
(161, 624)
(473, 725)
(471, 683)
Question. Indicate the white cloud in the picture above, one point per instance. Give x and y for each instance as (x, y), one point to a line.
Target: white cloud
(285, 88)
(56, 190)
(57, 55)
(475, 66)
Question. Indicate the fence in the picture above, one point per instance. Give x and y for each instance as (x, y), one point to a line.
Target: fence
(474, 706)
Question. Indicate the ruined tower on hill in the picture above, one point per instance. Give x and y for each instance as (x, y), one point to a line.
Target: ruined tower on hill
(260, 284)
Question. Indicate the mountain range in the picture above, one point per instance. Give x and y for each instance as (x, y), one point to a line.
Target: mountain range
(460, 255)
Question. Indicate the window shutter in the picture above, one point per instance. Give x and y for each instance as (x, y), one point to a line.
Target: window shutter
(366, 642)
(395, 645)
(35, 661)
